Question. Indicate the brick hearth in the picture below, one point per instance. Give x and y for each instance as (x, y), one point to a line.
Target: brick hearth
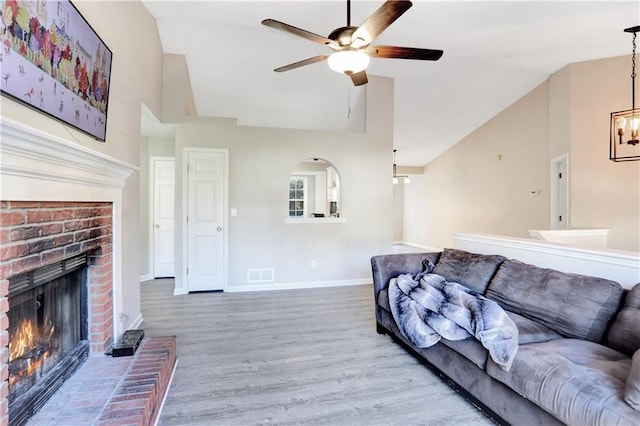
(35, 234)
(122, 391)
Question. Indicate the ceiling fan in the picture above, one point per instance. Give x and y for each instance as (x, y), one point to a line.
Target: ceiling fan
(352, 50)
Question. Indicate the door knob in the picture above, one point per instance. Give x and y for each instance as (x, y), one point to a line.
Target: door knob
(219, 228)
(157, 226)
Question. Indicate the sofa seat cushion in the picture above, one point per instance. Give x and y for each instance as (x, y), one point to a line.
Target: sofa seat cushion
(530, 331)
(470, 348)
(579, 382)
(632, 389)
(574, 305)
(624, 334)
(472, 270)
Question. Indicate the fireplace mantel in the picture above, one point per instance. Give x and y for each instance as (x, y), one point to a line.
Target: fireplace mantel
(51, 172)
(39, 166)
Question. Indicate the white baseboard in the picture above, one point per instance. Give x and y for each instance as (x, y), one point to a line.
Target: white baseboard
(145, 278)
(296, 285)
(179, 291)
(136, 323)
(166, 393)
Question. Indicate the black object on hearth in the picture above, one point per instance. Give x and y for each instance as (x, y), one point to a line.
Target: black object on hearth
(128, 343)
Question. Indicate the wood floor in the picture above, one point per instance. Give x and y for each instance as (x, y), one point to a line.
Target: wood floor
(292, 357)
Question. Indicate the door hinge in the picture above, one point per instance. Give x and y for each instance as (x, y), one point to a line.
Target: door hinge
(187, 270)
(187, 219)
(188, 167)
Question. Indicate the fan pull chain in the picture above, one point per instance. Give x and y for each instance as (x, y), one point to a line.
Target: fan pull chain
(349, 102)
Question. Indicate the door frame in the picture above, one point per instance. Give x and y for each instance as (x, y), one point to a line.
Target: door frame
(151, 209)
(564, 158)
(185, 210)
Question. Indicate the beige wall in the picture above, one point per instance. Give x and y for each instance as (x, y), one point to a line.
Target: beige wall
(177, 93)
(560, 113)
(136, 77)
(398, 211)
(604, 194)
(483, 183)
(467, 189)
(260, 162)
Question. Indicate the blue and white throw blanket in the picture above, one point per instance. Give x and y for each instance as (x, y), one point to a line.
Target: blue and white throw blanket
(427, 307)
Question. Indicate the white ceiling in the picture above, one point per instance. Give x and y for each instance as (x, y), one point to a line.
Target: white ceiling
(494, 53)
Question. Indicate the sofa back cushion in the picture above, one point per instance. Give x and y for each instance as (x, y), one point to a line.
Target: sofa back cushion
(574, 305)
(472, 270)
(624, 335)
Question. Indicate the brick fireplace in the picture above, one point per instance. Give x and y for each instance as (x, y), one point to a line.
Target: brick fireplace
(59, 199)
(39, 233)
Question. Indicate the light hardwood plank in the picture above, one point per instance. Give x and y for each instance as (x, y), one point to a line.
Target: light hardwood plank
(292, 357)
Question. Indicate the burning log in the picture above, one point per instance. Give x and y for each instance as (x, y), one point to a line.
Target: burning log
(31, 360)
(36, 352)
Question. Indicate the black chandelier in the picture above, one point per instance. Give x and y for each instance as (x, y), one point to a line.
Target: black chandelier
(625, 124)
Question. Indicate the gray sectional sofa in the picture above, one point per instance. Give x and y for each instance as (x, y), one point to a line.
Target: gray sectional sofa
(577, 336)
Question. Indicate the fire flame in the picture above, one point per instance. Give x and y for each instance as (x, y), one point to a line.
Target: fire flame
(23, 344)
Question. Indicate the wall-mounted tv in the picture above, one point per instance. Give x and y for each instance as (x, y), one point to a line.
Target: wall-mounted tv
(52, 60)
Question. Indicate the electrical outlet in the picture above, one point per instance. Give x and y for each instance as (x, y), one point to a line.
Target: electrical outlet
(314, 264)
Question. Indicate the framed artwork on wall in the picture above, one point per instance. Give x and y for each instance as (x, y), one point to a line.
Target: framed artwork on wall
(54, 62)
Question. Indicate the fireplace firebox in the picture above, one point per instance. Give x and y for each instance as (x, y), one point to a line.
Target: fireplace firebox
(48, 337)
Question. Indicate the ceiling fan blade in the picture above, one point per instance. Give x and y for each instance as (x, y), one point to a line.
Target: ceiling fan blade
(299, 32)
(396, 52)
(359, 78)
(378, 22)
(302, 63)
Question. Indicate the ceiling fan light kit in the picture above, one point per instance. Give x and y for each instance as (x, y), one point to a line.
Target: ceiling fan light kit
(349, 61)
(351, 45)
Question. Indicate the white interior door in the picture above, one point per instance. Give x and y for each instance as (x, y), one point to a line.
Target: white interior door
(205, 220)
(163, 217)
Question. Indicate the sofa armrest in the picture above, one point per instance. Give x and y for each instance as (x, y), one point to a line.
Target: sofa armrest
(385, 267)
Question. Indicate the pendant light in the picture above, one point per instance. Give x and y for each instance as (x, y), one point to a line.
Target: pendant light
(396, 177)
(625, 124)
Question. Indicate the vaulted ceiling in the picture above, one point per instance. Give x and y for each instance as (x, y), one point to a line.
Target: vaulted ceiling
(494, 53)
